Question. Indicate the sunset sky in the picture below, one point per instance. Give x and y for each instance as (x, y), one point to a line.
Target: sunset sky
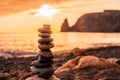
(26, 16)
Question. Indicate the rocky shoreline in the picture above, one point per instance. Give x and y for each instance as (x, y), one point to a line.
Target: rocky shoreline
(18, 68)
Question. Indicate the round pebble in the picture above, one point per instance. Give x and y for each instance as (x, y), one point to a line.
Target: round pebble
(45, 46)
(43, 72)
(46, 54)
(44, 35)
(43, 59)
(45, 30)
(41, 65)
(45, 40)
(47, 26)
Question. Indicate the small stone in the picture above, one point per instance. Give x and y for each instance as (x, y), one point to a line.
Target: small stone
(43, 59)
(45, 40)
(44, 35)
(44, 30)
(45, 46)
(43, 72)
(47, 26)
(41, 65)
(76, 51)
(46, 54)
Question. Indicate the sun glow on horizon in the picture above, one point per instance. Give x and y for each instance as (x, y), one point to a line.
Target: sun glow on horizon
(46, 11)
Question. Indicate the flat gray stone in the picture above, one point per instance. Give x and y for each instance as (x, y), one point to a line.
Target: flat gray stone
(38, 64)
(43, 72)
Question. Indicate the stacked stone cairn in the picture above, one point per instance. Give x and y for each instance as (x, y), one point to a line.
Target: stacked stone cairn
(43, 65)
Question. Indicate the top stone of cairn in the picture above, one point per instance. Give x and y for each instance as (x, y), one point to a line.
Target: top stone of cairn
(45, 29)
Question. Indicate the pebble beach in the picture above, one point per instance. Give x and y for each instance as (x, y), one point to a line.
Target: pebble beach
(18, 68)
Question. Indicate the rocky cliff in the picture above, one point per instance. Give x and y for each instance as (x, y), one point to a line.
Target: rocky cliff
(107, 21)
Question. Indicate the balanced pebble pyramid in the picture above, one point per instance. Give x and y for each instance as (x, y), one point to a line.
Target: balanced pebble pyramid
(43, 65)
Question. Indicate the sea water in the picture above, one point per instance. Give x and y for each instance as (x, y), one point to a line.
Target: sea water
(62, 41)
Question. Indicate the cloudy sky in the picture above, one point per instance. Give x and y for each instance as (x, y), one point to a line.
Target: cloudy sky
(29, 15)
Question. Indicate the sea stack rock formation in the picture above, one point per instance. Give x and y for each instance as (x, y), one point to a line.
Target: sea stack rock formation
(107, 21)
(65, 26)
(43, 65)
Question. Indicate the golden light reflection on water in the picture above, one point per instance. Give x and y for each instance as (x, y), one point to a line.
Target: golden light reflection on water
(62, 41)
(85, 40)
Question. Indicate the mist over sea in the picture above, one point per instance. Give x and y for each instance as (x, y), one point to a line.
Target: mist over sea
(63, 41)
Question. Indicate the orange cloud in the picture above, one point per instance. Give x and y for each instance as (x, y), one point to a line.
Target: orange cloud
(13, 6)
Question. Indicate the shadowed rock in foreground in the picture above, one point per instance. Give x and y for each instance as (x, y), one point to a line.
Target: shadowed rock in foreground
(107, 21)
(85, 62)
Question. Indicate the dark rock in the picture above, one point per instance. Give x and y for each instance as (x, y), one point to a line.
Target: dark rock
(118, 62)
(65, 26)
(45, 30)
(46, 54)
(45, 40)
(77, 51)
(43, 72)
(44, 35)
(107, 21)
(39, 64)
(43, 59)
(45, 46)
